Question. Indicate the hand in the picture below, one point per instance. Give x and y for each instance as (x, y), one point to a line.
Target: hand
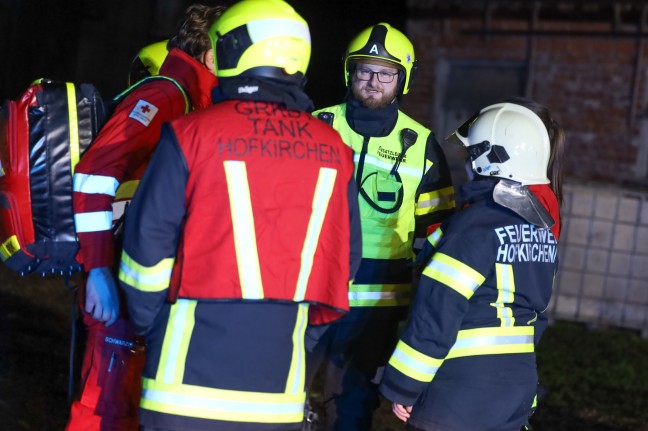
(102, 301)
(402, 412)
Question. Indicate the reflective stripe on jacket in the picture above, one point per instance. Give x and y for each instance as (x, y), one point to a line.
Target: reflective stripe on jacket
(484, 292)
(391, 199)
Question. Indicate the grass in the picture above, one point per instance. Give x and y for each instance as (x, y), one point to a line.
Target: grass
(594, 380)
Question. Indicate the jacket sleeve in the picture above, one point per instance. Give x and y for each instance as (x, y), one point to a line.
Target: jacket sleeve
(435, 195)
(152, 231)
(122, 148)
(449, 280)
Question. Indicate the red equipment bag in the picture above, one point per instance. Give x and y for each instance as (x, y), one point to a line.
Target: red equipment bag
(42, 136)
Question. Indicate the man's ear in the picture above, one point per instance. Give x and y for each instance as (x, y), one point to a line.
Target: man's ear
(208, 60)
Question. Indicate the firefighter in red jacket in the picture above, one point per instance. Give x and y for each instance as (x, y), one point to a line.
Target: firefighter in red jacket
(466, 360)
(245, 228)
(104, 181)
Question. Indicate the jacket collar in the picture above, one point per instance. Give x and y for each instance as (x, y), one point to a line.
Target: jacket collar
(194, 77)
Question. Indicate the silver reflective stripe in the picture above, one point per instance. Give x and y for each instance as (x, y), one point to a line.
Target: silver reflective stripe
(435, 237)
(268, 28)
(433, 202)
(93, 221)
(505, 294)
(492, 340)
(142, 280)
(418, 366)
(453, 273)
(359, 296)
(372, 160)
(95, 184)
(222, 405)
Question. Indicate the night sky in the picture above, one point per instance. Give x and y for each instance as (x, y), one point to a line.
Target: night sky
(92, 41)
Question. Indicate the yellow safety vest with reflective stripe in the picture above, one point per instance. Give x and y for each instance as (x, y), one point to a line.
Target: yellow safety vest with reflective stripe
(388, 203)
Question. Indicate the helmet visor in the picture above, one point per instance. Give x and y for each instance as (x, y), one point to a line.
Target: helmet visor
(459, 137)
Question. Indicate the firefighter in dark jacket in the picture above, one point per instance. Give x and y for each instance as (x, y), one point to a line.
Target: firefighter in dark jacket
(404, 188)
(466, 360)
(244, 229)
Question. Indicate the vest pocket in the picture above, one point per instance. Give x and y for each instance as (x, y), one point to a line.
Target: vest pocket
(382, 191)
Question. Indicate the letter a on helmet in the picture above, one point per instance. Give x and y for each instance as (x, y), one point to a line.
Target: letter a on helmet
(382, 42)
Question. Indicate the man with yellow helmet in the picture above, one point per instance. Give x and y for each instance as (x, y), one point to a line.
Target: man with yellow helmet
(104, 181)
(404, 188)
(244, 229)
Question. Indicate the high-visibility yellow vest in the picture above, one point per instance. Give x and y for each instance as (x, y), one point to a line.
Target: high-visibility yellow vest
(387, 199)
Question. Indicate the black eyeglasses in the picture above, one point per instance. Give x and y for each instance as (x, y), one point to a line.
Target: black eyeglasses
(367, 75)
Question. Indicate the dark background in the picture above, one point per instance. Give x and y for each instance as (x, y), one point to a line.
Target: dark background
(94, 41)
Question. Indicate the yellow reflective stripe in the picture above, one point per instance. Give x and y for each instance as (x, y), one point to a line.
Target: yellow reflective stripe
(454, 274)
(321, 198)
(9, 247)
(221, 404)
(379, 295)
(505, 291)
(380, 302)
(400, 287)
(73, 119)
(247, 255)
(145, 278)
(435, 237)
(492, 341)
(126, 190)
(437, 200)
(413, 363)
(176, 341)
(297, 373)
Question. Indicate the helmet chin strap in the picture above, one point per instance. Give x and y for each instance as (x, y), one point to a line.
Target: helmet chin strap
(523, 202)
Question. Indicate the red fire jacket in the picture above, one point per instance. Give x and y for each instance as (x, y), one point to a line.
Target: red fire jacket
(256, 200)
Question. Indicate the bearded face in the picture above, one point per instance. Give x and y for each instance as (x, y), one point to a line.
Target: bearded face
(369, 86)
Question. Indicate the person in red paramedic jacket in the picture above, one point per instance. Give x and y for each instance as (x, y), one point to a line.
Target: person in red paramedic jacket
(104, 181)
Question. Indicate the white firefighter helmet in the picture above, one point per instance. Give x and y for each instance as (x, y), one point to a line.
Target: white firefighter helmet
(507, 141)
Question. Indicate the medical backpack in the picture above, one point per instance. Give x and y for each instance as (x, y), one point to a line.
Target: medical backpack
(43, 134)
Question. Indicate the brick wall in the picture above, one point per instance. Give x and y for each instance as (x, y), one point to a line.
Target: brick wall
(594, 85)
